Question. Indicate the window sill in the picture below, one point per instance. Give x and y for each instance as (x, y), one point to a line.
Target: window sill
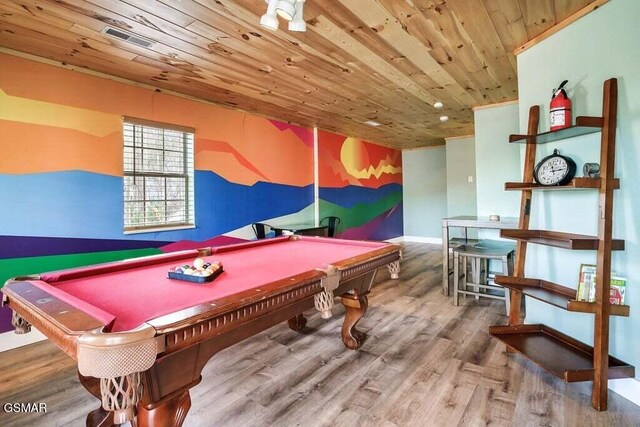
(159, 229)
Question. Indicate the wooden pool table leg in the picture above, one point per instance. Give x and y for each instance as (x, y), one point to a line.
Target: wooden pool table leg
(98, 417)
(170, 412)
(355, 305)
(297, 323)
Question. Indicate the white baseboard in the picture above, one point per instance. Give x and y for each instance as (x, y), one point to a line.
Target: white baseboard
(418, 239)
(399, 239)
(10, 340)
(629, 388)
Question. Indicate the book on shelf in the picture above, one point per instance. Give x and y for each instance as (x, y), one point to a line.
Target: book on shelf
(587, 286)
(618, 290)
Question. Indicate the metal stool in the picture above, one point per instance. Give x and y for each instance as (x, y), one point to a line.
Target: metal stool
(480, 256)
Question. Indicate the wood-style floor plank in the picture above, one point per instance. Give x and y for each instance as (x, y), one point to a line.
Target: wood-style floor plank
(425, 362)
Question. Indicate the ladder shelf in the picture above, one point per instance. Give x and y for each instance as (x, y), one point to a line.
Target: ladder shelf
(556, 352)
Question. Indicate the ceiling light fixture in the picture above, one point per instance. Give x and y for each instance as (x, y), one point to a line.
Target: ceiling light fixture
(290, 10)
(270, 19)
(297, 23)
(444, 118)
(438, 105)
(372, 123)
(286, 9)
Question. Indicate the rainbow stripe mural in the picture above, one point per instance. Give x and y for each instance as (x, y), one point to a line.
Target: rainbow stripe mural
(61, 170)
(361, 183)
(61, 173)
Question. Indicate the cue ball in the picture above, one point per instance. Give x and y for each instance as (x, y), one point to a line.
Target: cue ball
(198, 263)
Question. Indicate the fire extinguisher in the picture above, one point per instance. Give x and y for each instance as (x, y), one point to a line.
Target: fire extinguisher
(560, 108)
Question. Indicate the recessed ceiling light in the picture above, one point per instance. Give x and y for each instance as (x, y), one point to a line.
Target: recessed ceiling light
(444, 118)
(372, 123)
(438, 104)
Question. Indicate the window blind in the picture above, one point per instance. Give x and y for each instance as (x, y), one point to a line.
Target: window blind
(158, 175)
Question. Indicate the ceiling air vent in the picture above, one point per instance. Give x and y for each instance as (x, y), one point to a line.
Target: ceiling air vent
(128, 37)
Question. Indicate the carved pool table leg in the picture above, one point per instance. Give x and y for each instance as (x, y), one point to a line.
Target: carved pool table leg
(20, 324)
(355, 305)
(297, 323)
(170, 412)
(98, 417)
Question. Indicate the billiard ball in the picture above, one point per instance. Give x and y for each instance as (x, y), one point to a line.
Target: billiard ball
(198, 263)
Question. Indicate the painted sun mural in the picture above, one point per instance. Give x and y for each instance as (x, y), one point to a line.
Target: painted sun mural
(61, 167)
(360, 183)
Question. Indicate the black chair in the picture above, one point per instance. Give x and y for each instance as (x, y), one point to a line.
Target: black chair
(332, 223)
(261, 229)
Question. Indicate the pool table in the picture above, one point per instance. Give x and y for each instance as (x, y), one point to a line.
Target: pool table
(141, 339)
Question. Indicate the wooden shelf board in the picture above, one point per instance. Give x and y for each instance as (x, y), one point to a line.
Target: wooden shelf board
(561, 355)
(542, 290)
(575, 184)
(584, 125)
(591, 307)
(559, 240)
(554, 294)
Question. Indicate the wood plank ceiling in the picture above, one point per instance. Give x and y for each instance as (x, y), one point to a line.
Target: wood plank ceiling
(359, 60)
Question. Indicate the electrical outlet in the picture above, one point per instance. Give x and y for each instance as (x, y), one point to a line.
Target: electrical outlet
(470, 179)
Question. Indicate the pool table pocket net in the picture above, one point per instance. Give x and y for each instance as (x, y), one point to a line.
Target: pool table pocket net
(118, 359)
(324, 301)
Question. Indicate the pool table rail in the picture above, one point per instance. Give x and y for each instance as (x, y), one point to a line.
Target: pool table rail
(355, 266)
(220, 313)
(60, 321)
(123, 265)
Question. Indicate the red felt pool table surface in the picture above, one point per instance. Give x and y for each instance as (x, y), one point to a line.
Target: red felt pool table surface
(133, 296)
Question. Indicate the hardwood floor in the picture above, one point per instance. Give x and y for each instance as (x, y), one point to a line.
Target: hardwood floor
(425, 362)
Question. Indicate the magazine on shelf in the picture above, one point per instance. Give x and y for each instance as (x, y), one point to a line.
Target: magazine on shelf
(587, 286)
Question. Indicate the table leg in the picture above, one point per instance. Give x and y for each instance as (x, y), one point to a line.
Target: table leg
(297, 323)
(171, 411)
(168, 412)
(98, 417)
(20, 325)
(355, 305)
(445, 258)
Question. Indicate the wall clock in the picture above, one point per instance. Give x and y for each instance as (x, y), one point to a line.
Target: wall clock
(555, 170)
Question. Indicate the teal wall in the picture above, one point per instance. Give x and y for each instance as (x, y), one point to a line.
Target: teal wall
(496, 160)
(424, 172)
(461, 164)
(600, 45)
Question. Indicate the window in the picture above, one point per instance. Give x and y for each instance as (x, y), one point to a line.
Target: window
(158, 176)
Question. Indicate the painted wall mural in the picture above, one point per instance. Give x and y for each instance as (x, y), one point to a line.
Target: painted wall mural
(61, 173)
(61, 170)
(360, 183)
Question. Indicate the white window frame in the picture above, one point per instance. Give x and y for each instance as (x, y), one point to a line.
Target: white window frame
(136, 169)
